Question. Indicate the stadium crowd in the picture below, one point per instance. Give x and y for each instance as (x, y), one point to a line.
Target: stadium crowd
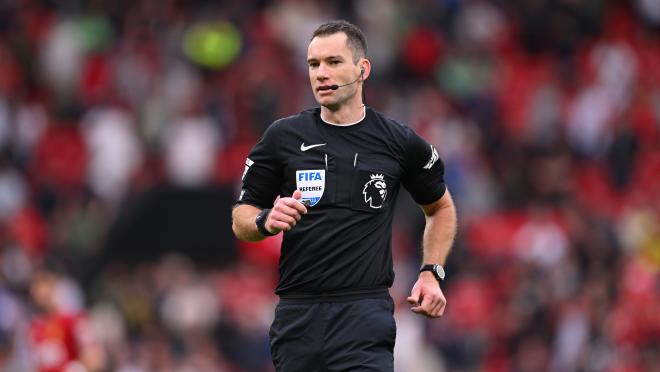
(546, 114)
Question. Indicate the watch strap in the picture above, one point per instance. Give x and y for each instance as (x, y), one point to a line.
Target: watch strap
(261, 222)
(432, 268)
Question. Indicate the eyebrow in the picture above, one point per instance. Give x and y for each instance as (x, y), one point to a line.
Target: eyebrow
(326, 58)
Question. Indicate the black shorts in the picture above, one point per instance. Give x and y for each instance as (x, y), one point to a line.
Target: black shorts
(355, 335)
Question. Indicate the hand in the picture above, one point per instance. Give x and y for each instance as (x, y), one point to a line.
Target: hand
(286, 212)
(426, 297)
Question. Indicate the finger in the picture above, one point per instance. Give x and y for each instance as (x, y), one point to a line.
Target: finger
(285, 209)
(421, 311)
(443, 306)
(433, 313)
(434, 305)
(300, 207)
(427, 304)
(293, 203)
(439, 307)
(280, 226)
(282, 217)
(417, 309)
(414, 296)
(297, 196)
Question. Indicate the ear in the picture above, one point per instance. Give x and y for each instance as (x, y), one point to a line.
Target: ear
(365, 68)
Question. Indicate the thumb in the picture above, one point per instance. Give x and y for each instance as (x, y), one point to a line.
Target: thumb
(297, 195)
(414, 297)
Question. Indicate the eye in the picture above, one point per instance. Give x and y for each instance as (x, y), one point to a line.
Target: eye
(313, 64)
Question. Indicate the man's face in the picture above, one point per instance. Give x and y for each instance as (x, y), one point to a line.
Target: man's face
(330, 62)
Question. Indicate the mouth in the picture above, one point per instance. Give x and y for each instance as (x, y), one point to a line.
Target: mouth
(324, 88)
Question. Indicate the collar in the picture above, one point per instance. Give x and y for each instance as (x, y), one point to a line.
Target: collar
(364, 115)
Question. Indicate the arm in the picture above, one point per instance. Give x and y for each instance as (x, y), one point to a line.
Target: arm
(243, 223)
(427, 297)
(440, 229)
(284, 215)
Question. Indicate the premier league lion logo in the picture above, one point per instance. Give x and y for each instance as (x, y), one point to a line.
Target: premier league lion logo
(375, 191)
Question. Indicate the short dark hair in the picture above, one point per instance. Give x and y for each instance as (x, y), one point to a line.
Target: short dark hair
(357, 43)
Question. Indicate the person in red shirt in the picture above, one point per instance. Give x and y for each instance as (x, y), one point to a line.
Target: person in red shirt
(61, 340)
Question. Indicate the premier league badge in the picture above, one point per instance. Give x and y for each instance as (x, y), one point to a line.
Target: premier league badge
(375, 191)
(311, 184)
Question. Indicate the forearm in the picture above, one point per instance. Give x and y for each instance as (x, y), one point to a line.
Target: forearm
(426, 297)
(243, 223)
(440, 230)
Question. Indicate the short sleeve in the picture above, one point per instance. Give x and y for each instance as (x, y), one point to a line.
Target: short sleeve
(424, 170)
(262, 176)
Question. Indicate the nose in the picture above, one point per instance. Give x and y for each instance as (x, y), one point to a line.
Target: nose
(322, 72)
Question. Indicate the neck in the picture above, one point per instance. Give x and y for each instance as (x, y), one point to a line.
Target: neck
(348, 113)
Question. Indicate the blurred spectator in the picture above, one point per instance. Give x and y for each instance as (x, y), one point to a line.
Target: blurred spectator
(649, 10)
(13, 192)
(191, 145)
(62, 57)
(60, 337)
(540, 240)
(115, 152)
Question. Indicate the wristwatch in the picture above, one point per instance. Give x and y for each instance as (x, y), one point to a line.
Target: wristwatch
(437, 270)
(261, 223)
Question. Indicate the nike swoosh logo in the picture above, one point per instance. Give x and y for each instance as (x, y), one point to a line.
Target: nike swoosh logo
(305, 148)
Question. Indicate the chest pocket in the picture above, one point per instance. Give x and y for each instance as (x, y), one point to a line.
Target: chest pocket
(315, 177)
(373, 190)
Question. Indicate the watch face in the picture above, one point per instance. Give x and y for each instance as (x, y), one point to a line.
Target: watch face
(439, 271)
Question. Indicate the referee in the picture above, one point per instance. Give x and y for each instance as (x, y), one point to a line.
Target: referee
(328, 178)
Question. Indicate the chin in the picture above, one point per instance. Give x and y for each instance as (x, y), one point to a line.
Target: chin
(333, 106)
(326, 101)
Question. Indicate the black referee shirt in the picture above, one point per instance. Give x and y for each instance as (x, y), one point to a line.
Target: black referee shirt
(350, 175)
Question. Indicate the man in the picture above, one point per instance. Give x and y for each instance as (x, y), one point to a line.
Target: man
(328, 179)
(60, 339)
